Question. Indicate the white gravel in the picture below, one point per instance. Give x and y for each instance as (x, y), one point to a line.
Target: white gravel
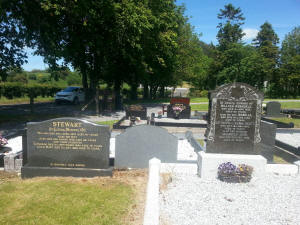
(273, 199)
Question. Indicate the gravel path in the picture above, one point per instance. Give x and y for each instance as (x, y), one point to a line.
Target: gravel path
(272, 200)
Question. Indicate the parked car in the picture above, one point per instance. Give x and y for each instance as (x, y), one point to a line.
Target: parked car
(73, 95)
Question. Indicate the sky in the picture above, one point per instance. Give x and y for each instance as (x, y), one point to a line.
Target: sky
(284, 15)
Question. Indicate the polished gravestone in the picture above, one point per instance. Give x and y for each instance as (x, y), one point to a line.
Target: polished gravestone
(234, 126)
(67, 147)
(273, 109)
(138, 144)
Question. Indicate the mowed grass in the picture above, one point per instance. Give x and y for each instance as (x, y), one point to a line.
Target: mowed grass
(290, 105)
(288, 120)
(110, 123)
(199, 107)
(24, 100)
(65, 201)
(27, 117)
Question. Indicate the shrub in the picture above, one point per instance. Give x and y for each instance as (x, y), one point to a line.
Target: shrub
(74, 79)
(31, 76)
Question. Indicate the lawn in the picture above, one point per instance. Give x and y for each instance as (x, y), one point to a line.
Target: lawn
(200, 107)
(288, 120)
(290, 105)
(24, 100)
(108, 122)
(70, 201)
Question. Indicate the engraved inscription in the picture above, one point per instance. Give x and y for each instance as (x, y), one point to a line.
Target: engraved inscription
(235, 121)
(66, 136)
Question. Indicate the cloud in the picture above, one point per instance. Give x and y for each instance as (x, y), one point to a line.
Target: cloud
(250, 33)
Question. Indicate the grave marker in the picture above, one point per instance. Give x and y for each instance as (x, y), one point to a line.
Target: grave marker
(235, 113)
(273, 109)
(137, 145)
(67, 147)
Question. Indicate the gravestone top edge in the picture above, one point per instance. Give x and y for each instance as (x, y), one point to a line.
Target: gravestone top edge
(214, 93)
(147, 126)
(66, 118)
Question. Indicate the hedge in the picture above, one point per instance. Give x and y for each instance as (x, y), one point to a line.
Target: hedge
(12, 90)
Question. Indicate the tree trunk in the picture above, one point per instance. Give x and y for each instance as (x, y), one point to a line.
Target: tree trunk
(162, 92)
(31, 104)
(133, 91)
(85, 85)
(117, 90)
(97, 101)
(146, 91)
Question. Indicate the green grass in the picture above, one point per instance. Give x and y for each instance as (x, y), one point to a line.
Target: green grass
(197, 100)
(108, 122)
(201, 107)
(139, 101)
(52, 201)
(279, 160)
(290, 105)
(201, 141)
(27, 117)
(288, 120)
(24, 100)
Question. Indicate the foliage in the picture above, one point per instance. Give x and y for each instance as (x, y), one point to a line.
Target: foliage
(230, 31)
(11, 90)
(73, 78)
(11, 42)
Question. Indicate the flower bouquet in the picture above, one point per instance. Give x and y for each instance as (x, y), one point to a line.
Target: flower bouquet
(230, 173)
(177, 110)
(3, 141)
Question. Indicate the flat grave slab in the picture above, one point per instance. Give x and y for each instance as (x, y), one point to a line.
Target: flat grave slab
(289, 136)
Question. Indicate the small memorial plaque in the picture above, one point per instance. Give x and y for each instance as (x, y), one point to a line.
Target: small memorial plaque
(67, 147)
(234, 119)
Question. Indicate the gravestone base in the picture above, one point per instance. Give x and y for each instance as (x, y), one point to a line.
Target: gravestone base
(30, 171)
(208, 163)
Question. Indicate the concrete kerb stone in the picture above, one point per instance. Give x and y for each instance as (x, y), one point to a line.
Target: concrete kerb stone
(151, 215)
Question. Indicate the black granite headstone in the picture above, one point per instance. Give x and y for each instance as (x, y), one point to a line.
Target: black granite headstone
(273, 109)
(67, 147)
(234, 126)
(179, 111)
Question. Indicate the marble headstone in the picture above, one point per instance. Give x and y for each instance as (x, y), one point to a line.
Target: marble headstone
(67, 147)
(234, 126)
(138, 144)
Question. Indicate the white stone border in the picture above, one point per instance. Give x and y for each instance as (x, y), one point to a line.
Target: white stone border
(151, 215)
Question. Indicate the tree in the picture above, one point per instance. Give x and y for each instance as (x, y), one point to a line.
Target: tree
(266, 43)
(230, 31)
(11, 42)
(290, 63)
(290, 45)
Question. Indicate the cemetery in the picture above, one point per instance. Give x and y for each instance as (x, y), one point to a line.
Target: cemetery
(238, 147)
(149, 112)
